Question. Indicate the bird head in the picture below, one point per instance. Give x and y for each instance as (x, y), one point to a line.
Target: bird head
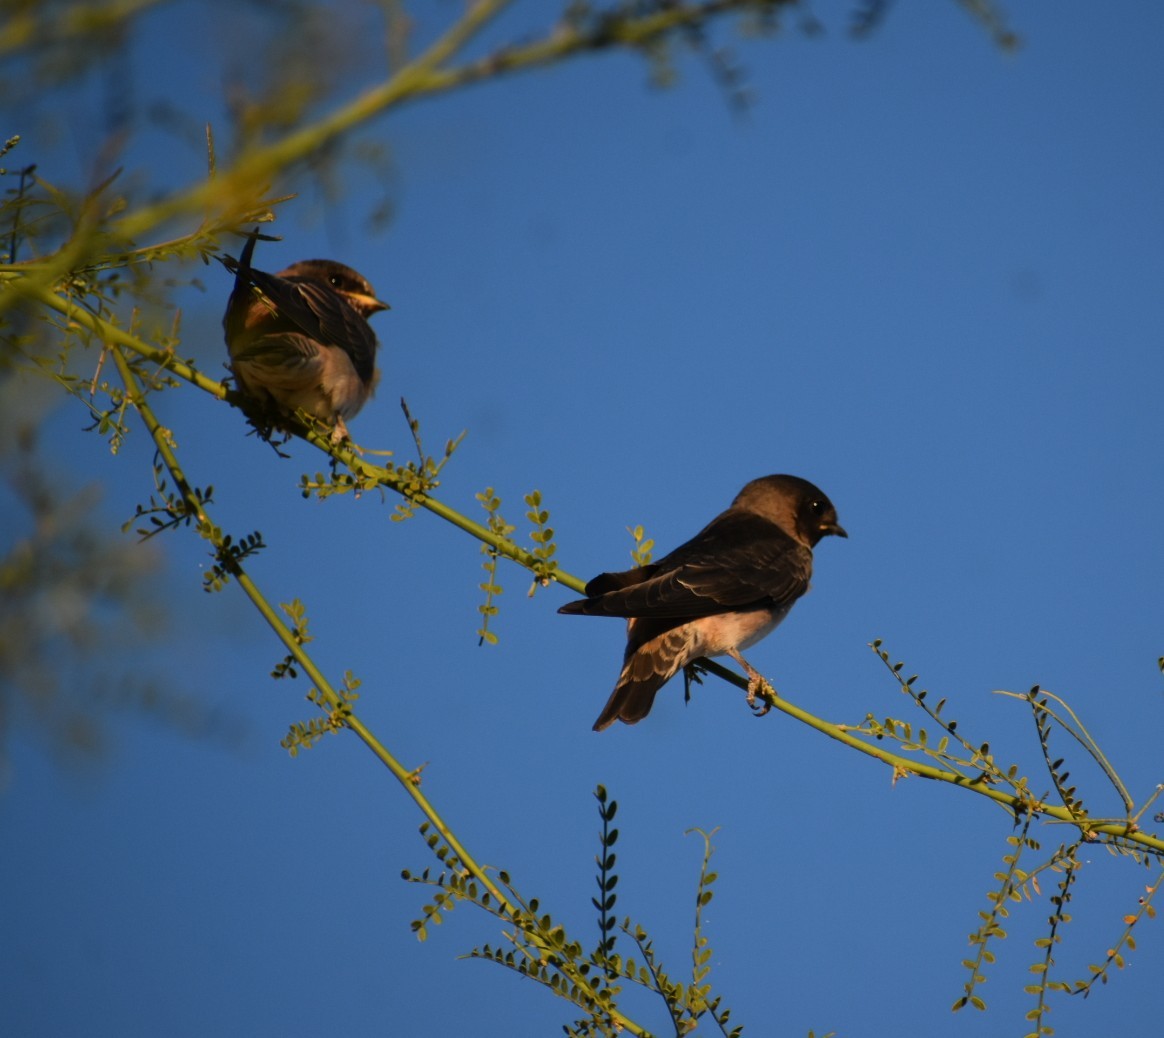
(797, 506)
(817, 518)
(341, 279)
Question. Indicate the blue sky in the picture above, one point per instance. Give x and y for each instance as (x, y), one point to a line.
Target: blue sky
(923, 273)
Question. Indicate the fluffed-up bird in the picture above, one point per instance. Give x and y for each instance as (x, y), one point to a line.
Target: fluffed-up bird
(300, 339)
(719, 593)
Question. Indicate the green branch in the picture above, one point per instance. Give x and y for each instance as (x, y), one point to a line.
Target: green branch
(115, 336)
(38, 24)
(401, 482)
(259, 165)
(390, 478)
(907, 765)
(425, 75)
(339, 706)
(398, 481)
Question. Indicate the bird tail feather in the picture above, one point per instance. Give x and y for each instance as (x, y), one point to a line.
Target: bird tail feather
(630, 701)
(655, 654)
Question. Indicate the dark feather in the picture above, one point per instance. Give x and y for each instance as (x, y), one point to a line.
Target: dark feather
(318, 311)
(630, 702)
(739, 561)
(721, 592)
(605, 582)
(643, 674)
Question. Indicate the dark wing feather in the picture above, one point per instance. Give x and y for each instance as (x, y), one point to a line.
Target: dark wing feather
(605, 582)
(242, 266)
(323, 314)
(234, 320)
(739, 561)
(299, 304)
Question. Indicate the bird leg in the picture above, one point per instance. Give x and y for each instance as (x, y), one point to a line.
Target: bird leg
(691, 673)
(756, 684)
(265, 426)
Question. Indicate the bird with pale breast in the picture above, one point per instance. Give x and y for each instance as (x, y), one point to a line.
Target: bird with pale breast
(300, 339)
(720, 592)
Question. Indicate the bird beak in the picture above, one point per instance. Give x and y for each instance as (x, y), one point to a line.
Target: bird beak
(369, 304)
(836, 529)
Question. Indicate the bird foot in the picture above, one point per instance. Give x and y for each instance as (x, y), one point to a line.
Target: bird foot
(691, 675)
(273, 436)
(757, 686)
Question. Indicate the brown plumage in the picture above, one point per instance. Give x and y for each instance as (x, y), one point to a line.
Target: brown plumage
(718, 593)
(300, 339)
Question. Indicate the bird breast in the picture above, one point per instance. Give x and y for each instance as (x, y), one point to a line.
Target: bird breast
(706, 636)
(737, 630)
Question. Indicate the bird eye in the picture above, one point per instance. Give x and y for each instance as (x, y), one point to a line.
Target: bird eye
(818, 508)
(335, 280)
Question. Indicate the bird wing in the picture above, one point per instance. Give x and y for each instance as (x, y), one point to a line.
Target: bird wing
(287, 360)
(318, 311)
(739, 561)
(241, 267)
(605, 582)
(307, 306)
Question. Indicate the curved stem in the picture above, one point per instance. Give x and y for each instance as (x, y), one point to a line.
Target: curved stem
(110, 333)
(504, 546)
(404, 777)
(425, 75)
(929, 771)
